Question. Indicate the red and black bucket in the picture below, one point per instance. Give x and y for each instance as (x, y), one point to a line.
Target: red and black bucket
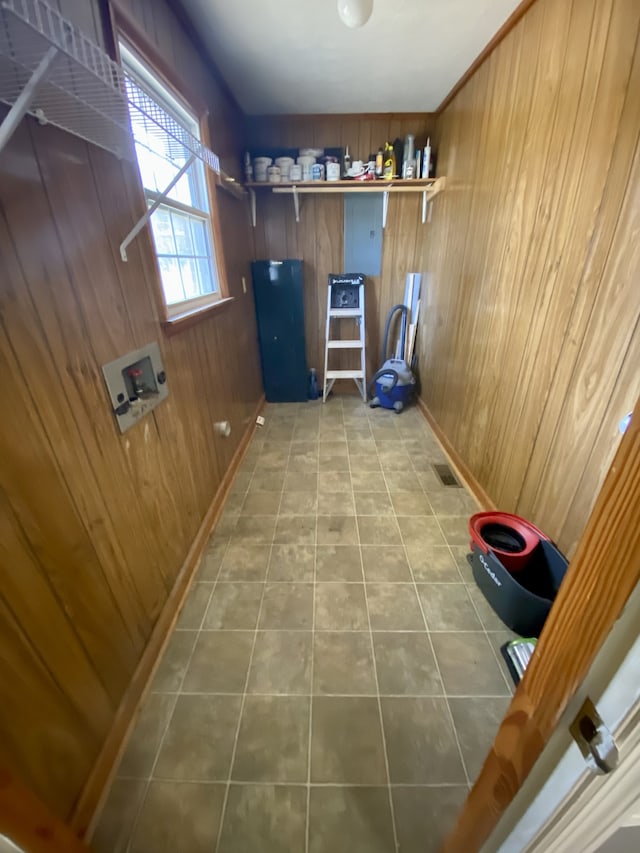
(512, 539)
(517, 567)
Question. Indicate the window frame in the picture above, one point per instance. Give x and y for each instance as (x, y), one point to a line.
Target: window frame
(182, 314)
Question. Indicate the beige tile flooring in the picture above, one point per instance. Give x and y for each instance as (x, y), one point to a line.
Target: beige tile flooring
(334, 681)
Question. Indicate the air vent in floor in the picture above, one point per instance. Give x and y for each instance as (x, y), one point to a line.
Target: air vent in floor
(446, 476)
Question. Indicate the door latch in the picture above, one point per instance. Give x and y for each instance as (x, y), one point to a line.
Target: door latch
(595, 741)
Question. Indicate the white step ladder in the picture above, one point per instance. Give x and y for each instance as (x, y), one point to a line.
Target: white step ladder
(359, 376)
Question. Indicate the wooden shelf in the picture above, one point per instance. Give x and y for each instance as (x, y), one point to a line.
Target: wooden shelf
(429, 188)
(379, 186)
(230, 185)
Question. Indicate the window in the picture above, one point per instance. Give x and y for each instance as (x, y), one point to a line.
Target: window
(181, 225)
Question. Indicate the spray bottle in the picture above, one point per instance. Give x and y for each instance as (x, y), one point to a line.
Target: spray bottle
(314, 390)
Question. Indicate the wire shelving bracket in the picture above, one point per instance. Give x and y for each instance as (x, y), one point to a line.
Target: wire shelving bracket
(52, 71)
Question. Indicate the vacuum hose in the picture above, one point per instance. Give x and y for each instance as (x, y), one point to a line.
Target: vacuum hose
(388, 372)
(387, 326)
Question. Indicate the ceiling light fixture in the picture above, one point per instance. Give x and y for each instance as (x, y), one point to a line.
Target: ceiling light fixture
(355, 13)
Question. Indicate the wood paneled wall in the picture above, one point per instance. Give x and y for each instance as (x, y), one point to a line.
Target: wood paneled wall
(530, 343)
(318, 239)
(94, 525)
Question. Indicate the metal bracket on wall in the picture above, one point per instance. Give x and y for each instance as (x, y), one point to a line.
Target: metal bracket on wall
(428, 196)
(296, 203)
(21, 106)
(137, 228)
(385, 208)
(252, 198)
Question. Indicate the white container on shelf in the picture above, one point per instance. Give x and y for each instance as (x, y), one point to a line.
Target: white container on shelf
(260, 166)
(285, 164)
(333, 171)
(306, 161)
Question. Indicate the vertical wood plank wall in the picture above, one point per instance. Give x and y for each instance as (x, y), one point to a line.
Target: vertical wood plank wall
(318, 239)
(94, 525)
(530, 346)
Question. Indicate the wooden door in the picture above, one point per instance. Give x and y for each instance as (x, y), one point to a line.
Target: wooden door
(599, 580)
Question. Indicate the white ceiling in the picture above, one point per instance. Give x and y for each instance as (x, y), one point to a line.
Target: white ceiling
(296, 56)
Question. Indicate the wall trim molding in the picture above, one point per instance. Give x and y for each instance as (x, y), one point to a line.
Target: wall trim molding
(457, 463)
(304, 117)
(518, 13)
(89, 805)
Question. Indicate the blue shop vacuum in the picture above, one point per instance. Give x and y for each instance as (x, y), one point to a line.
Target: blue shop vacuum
(394, 383)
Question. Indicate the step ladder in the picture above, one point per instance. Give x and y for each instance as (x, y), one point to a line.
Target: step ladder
(345, 289)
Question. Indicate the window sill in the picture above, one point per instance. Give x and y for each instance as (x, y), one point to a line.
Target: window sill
(184, 321)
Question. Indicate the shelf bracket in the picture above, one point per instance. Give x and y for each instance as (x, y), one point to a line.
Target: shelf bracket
(137, 228)
(385, 208)
(252, 199)
(296, 203)
(424, 206)
(26, 96)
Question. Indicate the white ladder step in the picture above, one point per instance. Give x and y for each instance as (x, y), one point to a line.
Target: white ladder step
(355, 310)
(345, 312)
(345, 344)
(345, 374)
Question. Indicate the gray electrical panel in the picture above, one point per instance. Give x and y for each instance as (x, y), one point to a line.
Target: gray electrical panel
(363, 232)
(136, 383)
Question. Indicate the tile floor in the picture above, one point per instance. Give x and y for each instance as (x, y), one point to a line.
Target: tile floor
(334, 680)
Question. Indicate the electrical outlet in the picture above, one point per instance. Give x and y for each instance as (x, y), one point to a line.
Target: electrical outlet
(244, 284)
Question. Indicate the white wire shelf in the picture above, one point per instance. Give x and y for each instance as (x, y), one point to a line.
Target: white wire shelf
(52, 71)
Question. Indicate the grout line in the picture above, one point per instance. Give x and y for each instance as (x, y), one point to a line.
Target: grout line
(238, 783)
(379, 701)
(346, 630)
(510, 685)
(197, 631)
(475, 609)
(433, 652)
(223, 581)
(244, 695)
(337, 695)
(307, 838)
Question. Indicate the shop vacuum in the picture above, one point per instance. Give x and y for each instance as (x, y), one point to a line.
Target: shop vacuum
(394, 383)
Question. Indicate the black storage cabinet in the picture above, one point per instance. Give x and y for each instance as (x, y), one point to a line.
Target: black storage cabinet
(278, 291)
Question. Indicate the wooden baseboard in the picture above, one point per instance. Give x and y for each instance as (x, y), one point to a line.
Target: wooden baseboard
(456, 461)
(28, 822)
(87, 810)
